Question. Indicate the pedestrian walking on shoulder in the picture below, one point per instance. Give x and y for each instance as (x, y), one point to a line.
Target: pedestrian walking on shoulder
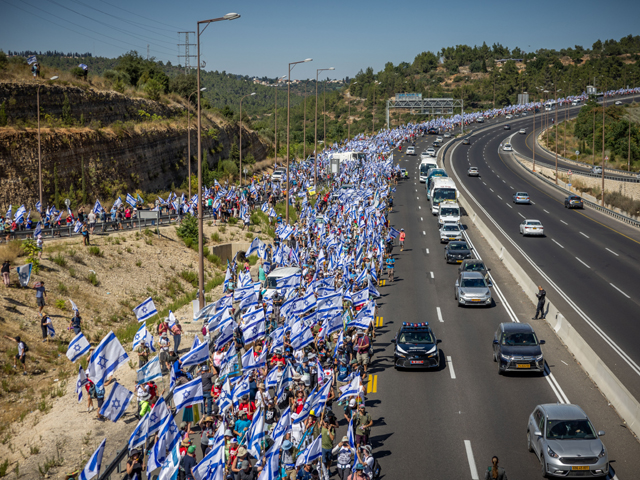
(542, 296)
(176, 331)
(41, 294)
(494, 472)
(402, 237)
(21, 355)
(6, 266)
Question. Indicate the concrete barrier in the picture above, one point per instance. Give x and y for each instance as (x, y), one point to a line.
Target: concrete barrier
(226, 251)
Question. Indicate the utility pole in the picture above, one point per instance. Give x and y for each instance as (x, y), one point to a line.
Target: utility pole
(147, 52)
(304, 124)
(186, 56)
(604, 99)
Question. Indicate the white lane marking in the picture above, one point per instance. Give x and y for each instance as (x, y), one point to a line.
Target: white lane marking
(509, 205)
(556, 243)
(545, 210)
(472, 462)
(564, 222)
(555, 386)
(416, 189)
(421, 219)
(419, 207)
(521, 215)
(619, 290)
(503, 181)
(583, 262)
(431, 274)
(612, 252)
(427, 251)
(584, 234)
(491, 189)
(499, 197)
(484, 183)
(424, 233)
(511, 187)
(439, 314)
(564, 363)
(418, 197)
(453, 374)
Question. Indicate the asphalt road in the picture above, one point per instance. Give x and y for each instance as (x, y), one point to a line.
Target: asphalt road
(448, 423)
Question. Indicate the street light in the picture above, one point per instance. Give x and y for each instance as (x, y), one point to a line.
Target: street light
(39, 150)
(228, 16)
(556, 135)
(349, 119)
(373, 125)
(189, 135)
(276, 119)
(288, 115)
(315, 144)
(534, 133)
(247, 95)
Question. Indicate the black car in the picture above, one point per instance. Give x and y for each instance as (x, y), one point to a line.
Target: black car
(456, 252)
(433, 131)
(573, 201)
(436, 144)
(507, 127)
(516, 348)
(416, 347)
(475, 265)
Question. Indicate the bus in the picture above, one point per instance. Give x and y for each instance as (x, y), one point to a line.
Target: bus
(426, 165)
(443, 189)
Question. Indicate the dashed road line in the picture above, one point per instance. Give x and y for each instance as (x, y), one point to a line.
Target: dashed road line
(452, 372)
(564, 222)
(439, 314)
(619, 290)
(584, 234)
(472, 461)
(431, 274)
(611, 251)
(583, 262)
(521, 215)
(556, 243)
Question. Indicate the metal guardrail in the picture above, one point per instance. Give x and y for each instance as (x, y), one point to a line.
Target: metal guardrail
(588, 203)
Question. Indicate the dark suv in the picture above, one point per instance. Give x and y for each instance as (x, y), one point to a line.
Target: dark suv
(456, 252)
(573, 201)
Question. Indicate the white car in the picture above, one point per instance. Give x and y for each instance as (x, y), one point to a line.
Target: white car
(507, 147)
(425, 154)
(411, 150)
(524, 114)
(618, 102)
(278, 173)
(509, 117)
(473, 172)
(531, 227)
(431, 151)
(438, 138)
(450, 232)
(447, 135)
(596, 170)
(522, 131)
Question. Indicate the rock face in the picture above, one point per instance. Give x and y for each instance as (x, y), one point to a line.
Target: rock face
(148, 156)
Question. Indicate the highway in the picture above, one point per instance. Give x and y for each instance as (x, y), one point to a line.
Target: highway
(448, 423)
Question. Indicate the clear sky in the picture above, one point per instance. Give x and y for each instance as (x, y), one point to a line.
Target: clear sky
(349, 34)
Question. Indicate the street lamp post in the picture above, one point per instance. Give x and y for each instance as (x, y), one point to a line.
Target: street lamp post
(228, 16)
(276, 119)
(373, 116)
(39, 146)
(304, 123)
(315, 145)
(189, 135)
(604, 101)
(349, 119)
(555, 140)
(288, 117)
(240, 169)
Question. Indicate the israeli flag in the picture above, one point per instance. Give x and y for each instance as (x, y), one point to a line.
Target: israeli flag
(196, 355)
(116, 403)
(329, 303)
(291, 281)
(77, 347)
(38, 230)
(250, 300)
(301, 336)
(272, 378)
(92, 468)
(74, 307)
(271, 469)
(117, 203)
(283, 425)
(360, 298)
(188, 394)
(331, 325)
(242, 388)
(255, 330)
(251, 362)
(226, 334)
(171, 465)
(204, 312)
(106, 359)
(168, 438)
(81, 382)
(350, 390)
(149, 424)
(130, 200)
(139, 199)
(212, 466)
(77, 227)
(393, 232)
(307, 407)
(97, 208)
(255, 434)
(226, 397)
(372, 290)
(31, 60)
(150, 371)
(145, 310)
(39, 206)
(311, 453)
(255, 245)
(143, 336)
(20, 213)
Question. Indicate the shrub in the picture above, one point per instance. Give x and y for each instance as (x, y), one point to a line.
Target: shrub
(253, 259)
(215, 237)
(188, 231)
(31, 250)
(215, 259)
(190, 276)
(93, 250)
(10, 251)
(62, 288)
(233, 220)
(60, 304)
(255, 218)
(92, 278)
(248, 236)
(138, 263)
(59, 260)
(222, 229)
(72, 272)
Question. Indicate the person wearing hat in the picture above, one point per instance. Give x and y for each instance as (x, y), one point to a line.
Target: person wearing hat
(241, 456)
(184, 444)
(188, 463)
(288, 459)
(358, 474)
(164, 352)
(207, 432)
(230, 450)
(362, 347)
(207, 384)
(401, 238)
(247, 406)
(262, 396)
(305, 473)
(345, 455)
(363, 423)
(350, 409)
(134, 464)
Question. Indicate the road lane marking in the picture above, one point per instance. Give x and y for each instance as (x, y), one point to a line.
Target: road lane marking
(545, 210)
(424, 233)
(419, 207)
(555, 386)
(583, 262)
(427, 251)
(533, 203)
(509, 205)
(556, 243)
(612, 252)
(418, 197)
(439, 314)
(451, 370)
(372, 384)
(584, 235)
(619, 290)
(431, 274)
(499, 197)
(472, 462)
(564, 222)
(521, 215)
(421, 219)
(491, 189)
(379, 321)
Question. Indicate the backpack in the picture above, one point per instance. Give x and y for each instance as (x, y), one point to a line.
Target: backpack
(26, 348)
(376, 470)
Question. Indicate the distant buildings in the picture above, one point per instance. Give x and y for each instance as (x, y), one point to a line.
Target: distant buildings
(282, 81)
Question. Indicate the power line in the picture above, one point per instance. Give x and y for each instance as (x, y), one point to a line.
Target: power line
(173, 28)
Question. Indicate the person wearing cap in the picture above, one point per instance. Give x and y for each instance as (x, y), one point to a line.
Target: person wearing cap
(207, 384)
(184, 444)
(358, 474)
(305, 473)
(134, 464)
(247, 406)
(230, 448)
(401, 238)
(262, 396)
(345, 455)
(241, 425)
(188, 463)
(247, 471)
(288, 459)
(328, 437)
(363, 423)
(242, 455)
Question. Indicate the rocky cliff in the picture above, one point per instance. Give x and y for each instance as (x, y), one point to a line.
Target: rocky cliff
(149, 156)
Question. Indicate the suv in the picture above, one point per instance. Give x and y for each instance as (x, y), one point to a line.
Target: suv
(516, 348)
(416, 346)
(450, 231)
(597, 170)
(565, 442)
(573, 201)
(471, 289)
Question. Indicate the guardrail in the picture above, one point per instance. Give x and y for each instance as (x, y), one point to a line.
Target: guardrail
(595, 206)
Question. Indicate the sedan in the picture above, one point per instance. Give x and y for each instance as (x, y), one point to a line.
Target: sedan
(466, 141)
(521, 197)
(456, 252)
(596, 170)
(449, 232)
(411, 151)
(531, 227)
(565, 442)
(507, 147)
(471, 289)
(618, 102)
(509, 117)
(522, 131)
(516, 348)
(473, 172)
(524, 114)
(431, 151)
(425, 154)
(507, 127)
(573, 201)
(437, 143)
(447, 135)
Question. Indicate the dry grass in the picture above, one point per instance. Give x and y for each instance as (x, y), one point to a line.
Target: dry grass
(11, 251)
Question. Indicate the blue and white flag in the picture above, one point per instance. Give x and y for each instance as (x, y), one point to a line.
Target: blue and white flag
(350, 390)
(117, 203)
(226, 334)
(242, 388)
(255, 245)
(393, 232)
(97, 208)
(78, 347)
(211, 467)
(139, 199)
(171, 465)
(81, 382)
(301, 335)
(188, 394)
(130, 200)
(255, 434)
(92, 468)
(143, 336)
(282, 427)
(168, 438)
(39, 206)
(116, 403)
(31, 60)
(149, 424)
(24, 274)
(38, 230)
(372, 290)
(360, 298)
(329, 303)
(74, 307)
(106, 359)
(196, 355)
(204, 312)
(256, 329)
(226, 396)
(251, 362)
(290, 281)
(145, 310)
(150, 371)
(332, 324)
(311, 453)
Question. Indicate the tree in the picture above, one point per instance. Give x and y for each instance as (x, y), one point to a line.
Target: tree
(3, 114)
(184, 85)
(3, 60)
(67, 119)
(154, 89)
(227, 112)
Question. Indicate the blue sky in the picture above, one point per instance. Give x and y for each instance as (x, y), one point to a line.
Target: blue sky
(349, 35)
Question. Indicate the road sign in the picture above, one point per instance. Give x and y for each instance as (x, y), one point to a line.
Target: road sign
(577, 152)
(245, 170)
(606, 158)
(67, 202)
(569, 172)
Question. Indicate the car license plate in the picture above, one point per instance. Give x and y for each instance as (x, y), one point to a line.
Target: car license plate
(524, 365)
(452, 238)
(535, 228)
(458, 261)
(417, 362)
(580, 467)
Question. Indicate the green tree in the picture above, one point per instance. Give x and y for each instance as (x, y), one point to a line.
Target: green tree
(154, 89)
(188, 231)
(3, 60)
(31, 250)
(67, 119)
(3, 114)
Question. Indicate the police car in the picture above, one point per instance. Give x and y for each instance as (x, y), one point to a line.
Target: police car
(416, 347)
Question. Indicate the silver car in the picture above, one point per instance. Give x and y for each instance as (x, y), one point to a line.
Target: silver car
(449, 232)
(471, 289)
(566, 443)
(473, 172)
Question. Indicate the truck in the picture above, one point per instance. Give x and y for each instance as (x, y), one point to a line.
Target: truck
(449, 212)
(426, 165)
(442, 189)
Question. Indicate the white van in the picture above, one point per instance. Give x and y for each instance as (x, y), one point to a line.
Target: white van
(442, 189)
(449, 212)
(575, 102)
(425, 166)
